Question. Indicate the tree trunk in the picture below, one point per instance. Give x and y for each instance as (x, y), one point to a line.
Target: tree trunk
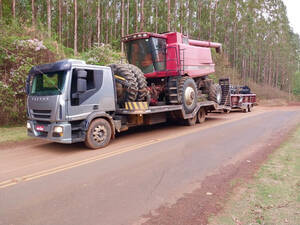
(181, 15)
(98, 22)
(32, 13)
(169, 15)
(59, 21)
(128, 16)
(115, 19)
(84, 31)
(136, 15)
(0, 9)
(142, 16)
(90, 32)
(226, 33)
(215, 20)
(13, 8)
(156, 16)
(122, 25)
(75, 27)
(107, 24)
(49, 17)
(199, 18)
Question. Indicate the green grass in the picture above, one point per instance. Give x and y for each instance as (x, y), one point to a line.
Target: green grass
(13, 134)
(273, 197)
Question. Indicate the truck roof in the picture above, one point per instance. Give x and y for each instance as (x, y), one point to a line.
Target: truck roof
(62, 65)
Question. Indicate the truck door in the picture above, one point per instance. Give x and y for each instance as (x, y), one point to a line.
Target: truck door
(85, 93)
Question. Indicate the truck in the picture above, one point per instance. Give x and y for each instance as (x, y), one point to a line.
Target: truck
(166, 79)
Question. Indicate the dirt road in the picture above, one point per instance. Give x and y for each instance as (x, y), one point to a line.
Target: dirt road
(143, 169)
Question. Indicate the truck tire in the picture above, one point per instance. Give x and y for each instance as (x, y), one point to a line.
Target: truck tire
(98, 134)
(187, 94)
(130, 93)
(215, 93)
(201, 114)
(141, 81)
(190, 121)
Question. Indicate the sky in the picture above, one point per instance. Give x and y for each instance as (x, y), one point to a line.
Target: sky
(293, 11)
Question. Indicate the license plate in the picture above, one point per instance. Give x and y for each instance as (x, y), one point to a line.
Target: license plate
(40, 128)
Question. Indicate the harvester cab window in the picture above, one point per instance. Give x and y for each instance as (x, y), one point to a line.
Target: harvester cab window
(147, 54)
(139, 53)
(159, 53)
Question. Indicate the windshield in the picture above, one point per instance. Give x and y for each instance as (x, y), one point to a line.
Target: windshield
(48, 83)
(147, 54)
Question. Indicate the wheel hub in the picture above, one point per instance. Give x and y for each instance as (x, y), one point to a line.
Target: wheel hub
(189, 95)
(99, 133)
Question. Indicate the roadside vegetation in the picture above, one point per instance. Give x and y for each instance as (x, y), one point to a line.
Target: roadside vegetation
(261, 52)
(22, 47)
(273, 196)
(12, 134)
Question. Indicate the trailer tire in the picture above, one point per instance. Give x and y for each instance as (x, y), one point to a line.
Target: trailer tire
(215, 93)
(132, 90)
(98, 134)
(191, 121)
(201, 114)
(141, 81)
(188, 94)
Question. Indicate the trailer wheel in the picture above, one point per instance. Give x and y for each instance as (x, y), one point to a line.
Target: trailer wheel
(215, 93)
(190, 121)
(98, 134)
(188, 94)
(201, 114)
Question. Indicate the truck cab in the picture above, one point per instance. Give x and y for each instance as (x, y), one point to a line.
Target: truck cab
(63, 97)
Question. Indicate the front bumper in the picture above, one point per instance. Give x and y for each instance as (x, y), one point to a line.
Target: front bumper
(48, 131)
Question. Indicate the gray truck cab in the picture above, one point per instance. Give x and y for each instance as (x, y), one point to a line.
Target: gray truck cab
(65, 96)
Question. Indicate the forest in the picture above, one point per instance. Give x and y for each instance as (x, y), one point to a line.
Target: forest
(257, 38)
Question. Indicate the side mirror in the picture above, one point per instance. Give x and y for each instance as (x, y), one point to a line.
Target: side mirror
(27, 88)
(81, 81)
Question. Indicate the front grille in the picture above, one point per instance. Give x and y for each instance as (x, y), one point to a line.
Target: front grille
(43, 114)
(41, 111)
(42, 133)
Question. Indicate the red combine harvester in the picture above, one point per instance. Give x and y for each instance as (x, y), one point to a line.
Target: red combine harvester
(176, 69)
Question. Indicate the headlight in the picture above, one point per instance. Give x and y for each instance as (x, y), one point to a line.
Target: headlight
(28, 125)
(58, 129)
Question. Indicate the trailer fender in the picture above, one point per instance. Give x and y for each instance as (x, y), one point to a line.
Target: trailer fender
(96, 115)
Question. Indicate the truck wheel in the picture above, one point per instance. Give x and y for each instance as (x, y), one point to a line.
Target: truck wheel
(141, 81)
(130, 93)
(215, 93)
(201, 115)
(249, 108)
(191, 121)
(188, 94)
(98, 134)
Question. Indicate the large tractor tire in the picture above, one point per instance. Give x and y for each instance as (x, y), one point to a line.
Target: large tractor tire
(187, 94)
(130, 92)
(142, 83)
(215, 93)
